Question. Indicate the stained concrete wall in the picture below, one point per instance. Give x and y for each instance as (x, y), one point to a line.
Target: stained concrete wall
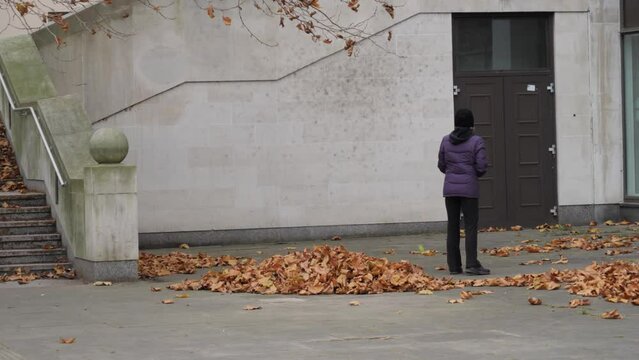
(230, 134)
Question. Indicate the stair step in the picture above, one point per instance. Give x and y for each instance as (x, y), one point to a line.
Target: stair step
(31, 241)
(31, 256)
(27, 227)
(25, 213)
(23, 200)
(32, 267)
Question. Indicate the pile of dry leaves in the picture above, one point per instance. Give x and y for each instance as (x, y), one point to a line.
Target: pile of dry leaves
(9, 172)
(322, 270)
(150, 265)
(25, 277)
(589, 244)
(617, 282)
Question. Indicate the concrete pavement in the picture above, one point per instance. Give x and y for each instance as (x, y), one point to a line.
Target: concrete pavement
(128, 321)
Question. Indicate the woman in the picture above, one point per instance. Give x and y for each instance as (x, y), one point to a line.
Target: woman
(462, 157)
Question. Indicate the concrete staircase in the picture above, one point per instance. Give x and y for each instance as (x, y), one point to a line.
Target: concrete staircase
(28, 235)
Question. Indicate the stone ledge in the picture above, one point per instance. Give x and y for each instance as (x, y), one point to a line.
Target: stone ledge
(286, 234)
(89, 271)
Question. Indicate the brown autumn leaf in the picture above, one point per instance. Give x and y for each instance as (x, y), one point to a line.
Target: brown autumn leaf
(354, 303)
(389, 9)
(168, 301)
(613, 252)
(69, 340)
(578, 302)
(353, 5)
(156, 289)
(227, 20)
(425, 292)
(610, 223)
(534, 301)
(389, 252)
(252, 307)
(184, 246)
(182, 296)
(336, 238)
(612, 314)
(390, 36)
(465, 295)
(516, 228)
(456, 301)
(562, 260)
(102, 283)
(593, 223)
(328, 41)
(440, 268)
(210, 11)
(349, 46)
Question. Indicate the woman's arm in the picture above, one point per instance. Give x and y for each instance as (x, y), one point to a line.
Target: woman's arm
(481, 159)
(441, 163)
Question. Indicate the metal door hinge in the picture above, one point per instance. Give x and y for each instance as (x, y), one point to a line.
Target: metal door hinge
(551, 88)
(553, 211)
(456, 90)
(553, 149)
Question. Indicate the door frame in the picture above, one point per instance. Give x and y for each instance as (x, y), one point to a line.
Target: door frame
(548, 71)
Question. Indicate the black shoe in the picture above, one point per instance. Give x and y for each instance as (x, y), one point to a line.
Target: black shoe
(456, 272)
(479, 270)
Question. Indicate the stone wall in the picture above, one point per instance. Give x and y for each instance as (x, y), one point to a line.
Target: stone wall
(231, 134)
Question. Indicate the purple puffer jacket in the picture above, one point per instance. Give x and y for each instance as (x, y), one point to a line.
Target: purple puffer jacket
(462, 157)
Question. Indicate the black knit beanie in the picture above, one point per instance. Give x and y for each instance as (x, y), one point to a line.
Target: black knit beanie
(464, 118)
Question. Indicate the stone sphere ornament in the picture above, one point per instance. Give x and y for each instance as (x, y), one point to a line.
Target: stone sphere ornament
(108, 146)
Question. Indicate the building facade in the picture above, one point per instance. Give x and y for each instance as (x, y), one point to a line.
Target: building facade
(630, 43)
(237, 141)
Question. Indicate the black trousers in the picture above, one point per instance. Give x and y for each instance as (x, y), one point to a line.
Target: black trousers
(470, 208)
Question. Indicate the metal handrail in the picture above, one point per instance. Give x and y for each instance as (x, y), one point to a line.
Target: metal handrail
(40, 131)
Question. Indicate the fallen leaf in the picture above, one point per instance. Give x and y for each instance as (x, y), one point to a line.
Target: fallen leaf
(534, 301)
(516, 228)
(390, 36)
(184, 246)
(227, 20)
(168, 301)
(612, 314)
(578, 302)
(69, 340)
(156, 289)
(455, 301)
(336, 238)
(389, 252)
(465, 295)
(182, 296)
(609, 223)
(440, 268)
(252, 307)
(102, 283)
(593, 223)
(562, 260)
(425, 292)
(354, 303)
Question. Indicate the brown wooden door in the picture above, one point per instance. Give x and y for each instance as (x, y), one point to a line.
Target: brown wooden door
(530, 132)
(515, 116)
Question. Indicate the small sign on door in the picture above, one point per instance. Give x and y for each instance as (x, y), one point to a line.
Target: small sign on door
(531, 88)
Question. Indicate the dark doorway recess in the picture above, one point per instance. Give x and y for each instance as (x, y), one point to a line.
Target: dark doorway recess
(503, 73)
